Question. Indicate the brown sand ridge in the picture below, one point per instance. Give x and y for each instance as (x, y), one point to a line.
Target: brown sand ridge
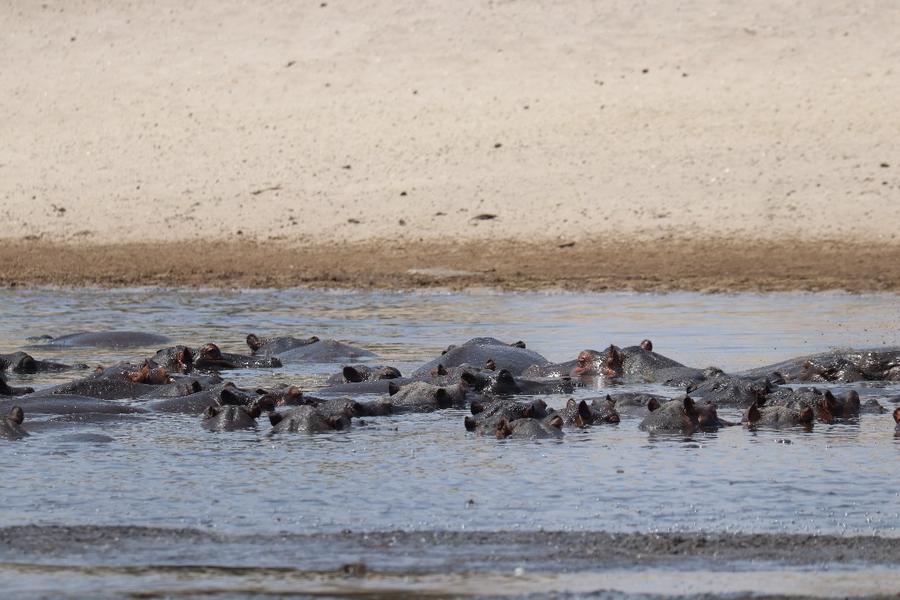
(706, 144)
(704, 266)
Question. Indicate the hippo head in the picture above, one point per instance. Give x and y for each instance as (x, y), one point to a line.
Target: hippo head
(490, 365)
(150, 374)
(827, 407)
(16, 415)
(537, 409)
(579, 412)
(851, 403)
(708, 418)
(647, 345)
(519, 344)
(24, 363)
(228, 418)
(180, 359)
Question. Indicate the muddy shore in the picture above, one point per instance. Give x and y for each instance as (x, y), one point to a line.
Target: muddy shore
(640, 265)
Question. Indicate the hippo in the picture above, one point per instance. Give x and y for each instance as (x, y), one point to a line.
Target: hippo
(360, 373)
(22, 362)
(897, 420)
(825, 406)
(307, 419)
(210, 357)
(629, 403)
(681, 414)
(843, 366)
(8, 390)
(731, 390)
(530, 429)
(102, 339)
(129, 381)
(313, 349)
(778, 416)
(231, 417)
(478, 351)
(486, 416)
(424, 397)
(219, 394)
(11, 424)
(64, 404)
(503, 383)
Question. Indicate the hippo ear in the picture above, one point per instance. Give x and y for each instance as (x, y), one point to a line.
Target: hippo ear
(585, 412)
(442, 398)
(528, 412)
(613, 363)
(612, 402)
(468, 378)
(570, 404)
(275, 418)
(851, 398)
(393, 388)
(689, 408)
(806, 414)
(519, 344)
(253, 342)
(556, 421)
(441, 370)
(831, 402)
(476, 407)
(490, 365)
(266, 403)
(753, 414)
(211, 411)
(470, 423)
(647, 345)
(539, 405)
(352, 374)
(16, 415)
(312, 339)
(897, 415)
(255, 409)
(503, 429)
(652, 404)
(227, 396)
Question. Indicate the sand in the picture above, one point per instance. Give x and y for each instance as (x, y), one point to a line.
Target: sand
(357, 128)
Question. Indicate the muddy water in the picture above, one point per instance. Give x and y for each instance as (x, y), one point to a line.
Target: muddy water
(424, 472)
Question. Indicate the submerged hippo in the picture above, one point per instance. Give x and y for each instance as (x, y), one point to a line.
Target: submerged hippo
(424, 397)
(360, 373)
(515, 358)
(308, 419)
(66, 404)
(778, 416)
(102, 339)
(844, 366)
(684, 415)
(897, 420)
(486, 416)
(313, 349)
(22, 362)
(231, 417)
(209, 357)
(8, 390)
(11, 424)
(530, 429)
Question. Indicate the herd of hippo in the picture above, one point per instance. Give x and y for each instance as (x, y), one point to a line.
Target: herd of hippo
(484, 375)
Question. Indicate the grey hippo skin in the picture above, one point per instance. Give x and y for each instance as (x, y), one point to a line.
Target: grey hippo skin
(515, 358)
(778, 416)
(230, 418)
(844, 366)
(102, 339)
(632, 404)
(8, 390)
(67, 404)
(131, 381)
(424, 397)
(209, 357)
(486, 416)
(22, 362)
(312, 349)
(11, 424)
(685, 416)
(360, 373)
(530, 429)
(307, 419)
(825, 406)
(220, 394)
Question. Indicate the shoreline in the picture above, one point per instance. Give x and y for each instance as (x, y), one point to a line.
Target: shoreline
(642, 265)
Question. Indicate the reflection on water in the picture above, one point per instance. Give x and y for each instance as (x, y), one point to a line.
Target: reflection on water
(425, 471)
